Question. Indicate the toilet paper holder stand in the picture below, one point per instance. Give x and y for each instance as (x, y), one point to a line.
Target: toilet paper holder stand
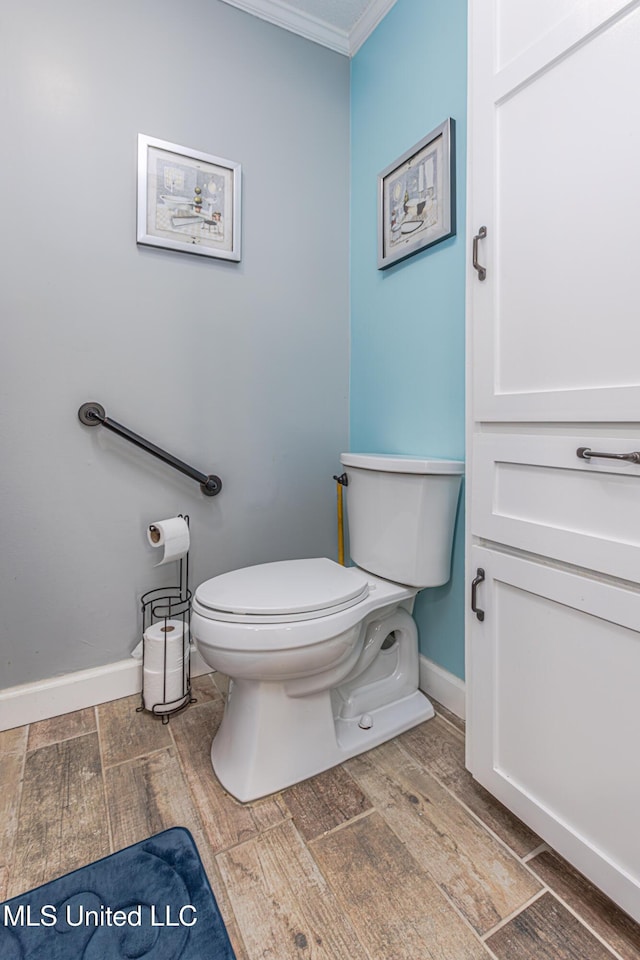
(161, 605)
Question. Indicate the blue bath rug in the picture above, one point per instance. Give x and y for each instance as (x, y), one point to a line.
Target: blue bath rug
(151, 901)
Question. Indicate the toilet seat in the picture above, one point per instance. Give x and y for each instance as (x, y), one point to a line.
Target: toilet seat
(282, 592)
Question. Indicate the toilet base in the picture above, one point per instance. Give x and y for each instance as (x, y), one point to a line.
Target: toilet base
(268, 741)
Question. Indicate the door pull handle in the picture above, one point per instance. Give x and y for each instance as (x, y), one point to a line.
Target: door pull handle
(586, 453)
(480, 235)
(479, 577)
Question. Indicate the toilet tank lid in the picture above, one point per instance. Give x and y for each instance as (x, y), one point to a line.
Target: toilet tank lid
(285, 587)
(399, 463)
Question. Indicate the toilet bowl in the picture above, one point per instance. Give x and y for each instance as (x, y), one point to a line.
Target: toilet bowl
(323, 659)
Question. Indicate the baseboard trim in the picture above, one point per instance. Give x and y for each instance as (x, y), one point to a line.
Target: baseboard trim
(443, 686)
(44, 699)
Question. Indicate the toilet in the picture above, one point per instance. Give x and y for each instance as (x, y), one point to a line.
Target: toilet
(322, 658)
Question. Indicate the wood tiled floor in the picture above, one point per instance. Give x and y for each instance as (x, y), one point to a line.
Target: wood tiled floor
(396, 855)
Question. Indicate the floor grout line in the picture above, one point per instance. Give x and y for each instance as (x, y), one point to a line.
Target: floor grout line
(23, 768)
(51, 743)
(103, 771)
(476, 816)
(232, 846)
(258, 834)
(139, 756)
(534, 853)
(454, 907)
(490, 951)
(516, 913)
(196, 810)
(584, 923)
(340, 826)
(524, 861)
(450, 723)
(328, 880)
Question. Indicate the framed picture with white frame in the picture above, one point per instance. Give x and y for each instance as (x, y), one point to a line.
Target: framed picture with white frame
(416, 197)
(188, 200)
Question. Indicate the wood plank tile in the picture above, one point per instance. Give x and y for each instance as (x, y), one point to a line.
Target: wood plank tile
(148, 795)
(546, 931)
(125, 734)
(63, 816)
(602, 915)
(367, 866)
(69, 725)
(477, 874)
(13, 745)
(203, 688)
(440, 750)
(4, 882)
(226, 822)
(324, 802)
(221, 681)
(450, 717)
(284, 906)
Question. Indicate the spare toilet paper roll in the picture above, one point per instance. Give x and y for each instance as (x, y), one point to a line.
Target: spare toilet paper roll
(157, 691)
(172, 633)
(172, 535)
(164, 681)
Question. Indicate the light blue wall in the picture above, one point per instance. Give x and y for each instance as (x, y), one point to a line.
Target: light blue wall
(408, 322)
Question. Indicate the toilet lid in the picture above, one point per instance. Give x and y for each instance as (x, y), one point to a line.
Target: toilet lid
(295, 589)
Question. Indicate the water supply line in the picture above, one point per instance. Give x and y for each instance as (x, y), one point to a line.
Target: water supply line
(341, 481)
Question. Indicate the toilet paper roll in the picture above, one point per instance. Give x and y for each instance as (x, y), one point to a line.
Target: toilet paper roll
(172, 535)
(164, 697)
(165, 639)
(173, 633)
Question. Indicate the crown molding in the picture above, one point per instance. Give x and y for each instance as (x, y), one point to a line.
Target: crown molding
(364, 27)
(283, 15)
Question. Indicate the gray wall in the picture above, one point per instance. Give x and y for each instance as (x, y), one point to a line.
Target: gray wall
(240, 369)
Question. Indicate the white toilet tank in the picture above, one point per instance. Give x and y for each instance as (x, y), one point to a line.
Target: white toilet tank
(401, 514)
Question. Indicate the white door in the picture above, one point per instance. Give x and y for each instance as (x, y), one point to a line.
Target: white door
(555, 665)
(553, 669)
(555, 179)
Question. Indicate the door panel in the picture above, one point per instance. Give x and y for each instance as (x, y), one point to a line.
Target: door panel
(559, 742)
(533, 492)
(553, 338)
(557, 312)
(521, 25)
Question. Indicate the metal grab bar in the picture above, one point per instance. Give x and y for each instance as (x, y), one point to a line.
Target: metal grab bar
(585, 453)
(92, 414)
